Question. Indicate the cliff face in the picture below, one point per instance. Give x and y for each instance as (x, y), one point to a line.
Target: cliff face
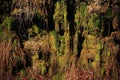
(60, 40)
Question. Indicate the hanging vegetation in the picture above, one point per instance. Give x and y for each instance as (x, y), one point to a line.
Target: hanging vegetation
(59, 40)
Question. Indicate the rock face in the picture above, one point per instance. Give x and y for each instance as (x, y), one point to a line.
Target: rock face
(64, 39)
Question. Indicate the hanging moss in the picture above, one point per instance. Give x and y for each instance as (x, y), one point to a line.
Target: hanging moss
(73, 50)
(93, 24)
(80, 14)
(53, 40)
(59, 17)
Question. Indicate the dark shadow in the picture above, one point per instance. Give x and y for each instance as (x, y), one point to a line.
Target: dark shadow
(70, 17)
(80, 39)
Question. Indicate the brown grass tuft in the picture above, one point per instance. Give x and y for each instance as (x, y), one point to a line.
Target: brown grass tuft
(11, 57)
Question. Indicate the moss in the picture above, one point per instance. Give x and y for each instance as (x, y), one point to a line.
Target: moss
(97, 57)
(90, 41)
(6, 27)
(39, 66)
(62, 45)
(53, 40)
(16, 11)
(99, 46)
(83, 8)
(94, 65)
(109, 14)
(42, 67)
(7, 23)
(94, 20)
(108, 53)
(58, 76)
(97, 21)
(35, 29)
(80, 14)
(102, 71)
(60, 16)
(60, 12)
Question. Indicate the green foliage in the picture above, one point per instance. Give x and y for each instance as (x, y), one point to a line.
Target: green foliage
(92, 27)
(80, 14)
(7, 23)
(83, 9)
(109, 14)
(97, 21)
(93, 20)
(6, 26)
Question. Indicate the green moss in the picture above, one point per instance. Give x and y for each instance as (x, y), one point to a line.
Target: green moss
(97, 57)
(94, 64)
(83, 8)
(60, 12)
(61, 46)
(6, 27)
(60, 15)
(94, 20)
(14, 42)
(58, 76)
(97, 21)
(53, 40)
(108, 53)
(43, 67)
(90, 41)
(35, 29)
(93, 24)
(8, 23)
(109, 13)
(99, 46)
(80, 15)
(102, 71)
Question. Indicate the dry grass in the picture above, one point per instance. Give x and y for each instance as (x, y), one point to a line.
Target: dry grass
(25, 10)
(38, 43)
(10, 58)
(74, 73)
